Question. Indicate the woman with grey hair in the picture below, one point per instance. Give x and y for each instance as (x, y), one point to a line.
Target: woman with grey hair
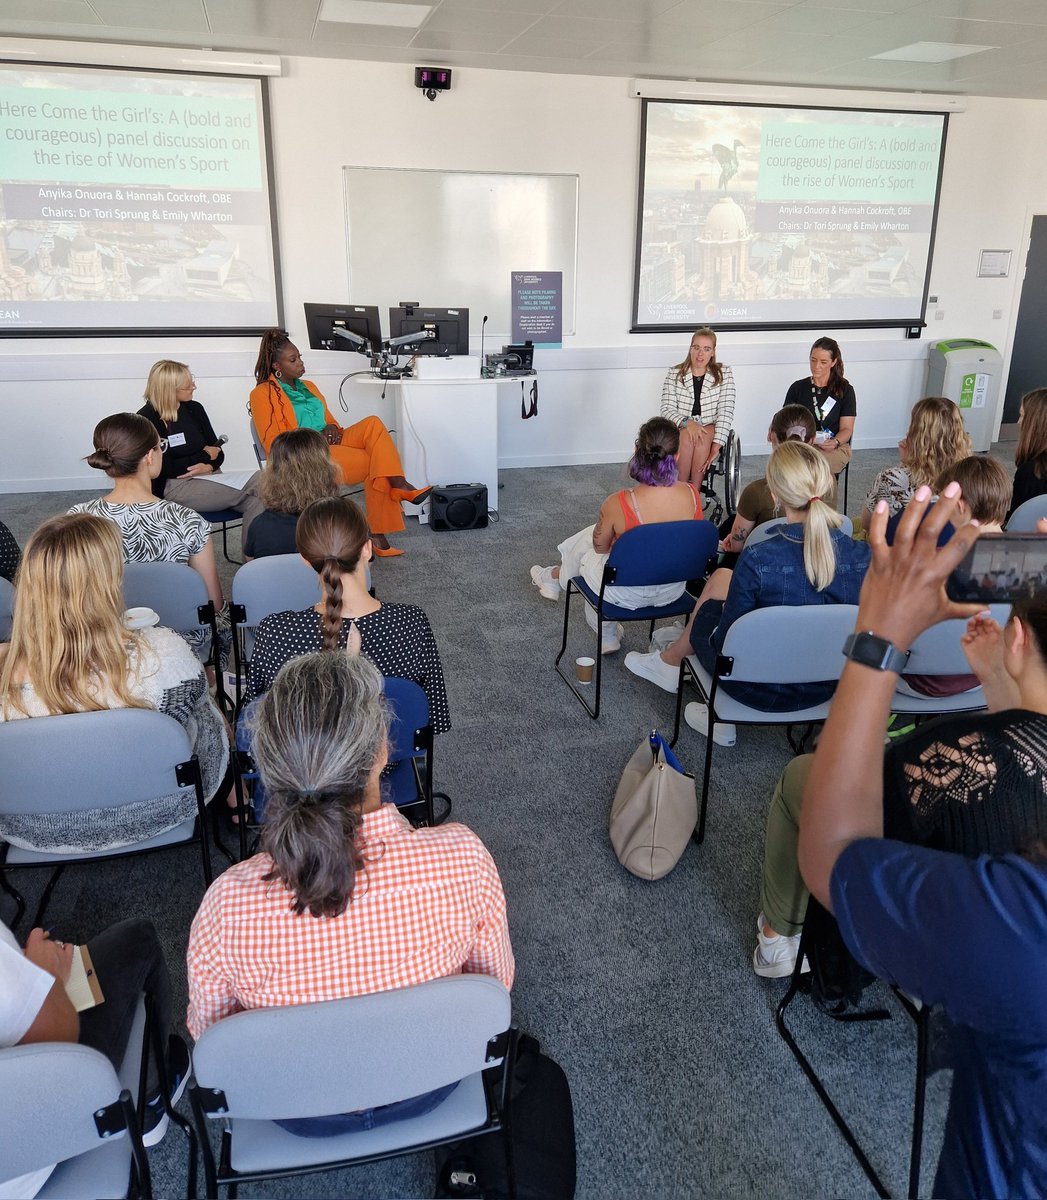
(291, 925)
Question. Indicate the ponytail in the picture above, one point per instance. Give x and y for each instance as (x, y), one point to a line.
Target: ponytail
(330, 536)
(800, 478)
(331, 577)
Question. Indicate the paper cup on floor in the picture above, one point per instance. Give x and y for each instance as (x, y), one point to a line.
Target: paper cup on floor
(140, 618)
(583, 669)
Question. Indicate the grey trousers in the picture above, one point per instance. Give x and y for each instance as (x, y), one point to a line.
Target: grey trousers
(203, 495)
(783, 894)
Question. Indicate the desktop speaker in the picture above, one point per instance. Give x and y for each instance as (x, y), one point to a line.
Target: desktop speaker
(458, 506)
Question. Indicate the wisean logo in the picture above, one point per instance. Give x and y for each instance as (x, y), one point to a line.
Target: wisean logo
(10, 314)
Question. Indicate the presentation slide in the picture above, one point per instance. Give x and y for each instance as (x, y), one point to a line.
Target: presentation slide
(769, 217)
(133, 201)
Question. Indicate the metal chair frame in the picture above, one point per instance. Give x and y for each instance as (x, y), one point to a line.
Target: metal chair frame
(700, 546)
(227, 518)
(727, 463)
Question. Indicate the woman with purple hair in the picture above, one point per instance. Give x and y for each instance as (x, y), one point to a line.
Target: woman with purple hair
(658, 496)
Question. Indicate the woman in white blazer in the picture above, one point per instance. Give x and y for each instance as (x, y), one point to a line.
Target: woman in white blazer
(698, 396)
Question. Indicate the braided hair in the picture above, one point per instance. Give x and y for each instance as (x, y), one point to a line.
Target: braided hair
(330, 536)
(274, 343)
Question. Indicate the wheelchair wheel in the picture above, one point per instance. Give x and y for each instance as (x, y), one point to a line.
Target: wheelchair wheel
(732, 471)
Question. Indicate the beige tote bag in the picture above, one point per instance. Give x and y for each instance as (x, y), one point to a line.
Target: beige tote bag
(654, 812)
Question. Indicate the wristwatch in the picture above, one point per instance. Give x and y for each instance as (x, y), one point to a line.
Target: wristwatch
(876, 652)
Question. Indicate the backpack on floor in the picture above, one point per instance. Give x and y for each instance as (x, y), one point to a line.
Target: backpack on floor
(541, 1140)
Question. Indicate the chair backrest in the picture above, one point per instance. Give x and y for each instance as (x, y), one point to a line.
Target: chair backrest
(760, 533)
(786, 644)
(937, 651)
(7, 608)
(1025, 516)
(408, 713)
(82, 761)
(665, 552)
(343, 1055)
(271, 585)
(53, 1091)
(259, 450)
(172, 590)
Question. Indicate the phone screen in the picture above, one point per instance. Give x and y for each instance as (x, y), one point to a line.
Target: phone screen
(1001, 567)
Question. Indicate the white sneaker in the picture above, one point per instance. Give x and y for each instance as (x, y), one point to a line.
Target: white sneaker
(546, 582)
(665, 635)
(653, 667)
(775, 957)
(611, 637)
(696, 715)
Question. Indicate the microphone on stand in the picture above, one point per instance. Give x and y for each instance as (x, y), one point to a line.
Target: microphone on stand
(483, 327)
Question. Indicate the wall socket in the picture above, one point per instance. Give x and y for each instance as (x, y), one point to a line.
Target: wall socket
(939, 314)
(997, 314)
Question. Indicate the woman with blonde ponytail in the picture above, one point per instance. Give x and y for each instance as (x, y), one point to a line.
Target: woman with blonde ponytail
(333, 538)
(833, 568)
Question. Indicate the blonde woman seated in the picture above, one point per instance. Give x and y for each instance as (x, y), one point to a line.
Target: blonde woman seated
(658, 496)
(806, 561)
(127, 449)
(298, 471)
(698, 397)
(756, 505)
(191, 472)
(936, 439)
(70, 652)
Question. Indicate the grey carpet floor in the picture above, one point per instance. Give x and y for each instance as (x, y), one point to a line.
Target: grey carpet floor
(643, 991)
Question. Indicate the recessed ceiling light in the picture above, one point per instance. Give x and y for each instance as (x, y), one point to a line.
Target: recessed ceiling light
(932, 52)
(374, 12)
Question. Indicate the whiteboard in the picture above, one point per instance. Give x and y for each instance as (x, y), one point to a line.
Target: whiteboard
(451, 239)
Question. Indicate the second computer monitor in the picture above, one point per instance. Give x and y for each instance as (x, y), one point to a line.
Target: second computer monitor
(450, 325)
(324, 322)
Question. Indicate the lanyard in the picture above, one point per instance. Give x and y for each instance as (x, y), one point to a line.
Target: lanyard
(819, 416)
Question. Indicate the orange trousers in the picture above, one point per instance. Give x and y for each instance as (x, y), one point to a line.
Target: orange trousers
(368, 455)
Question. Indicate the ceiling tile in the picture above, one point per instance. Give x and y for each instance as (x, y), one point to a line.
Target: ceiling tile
(582, 29)
(873, 6)
(271, 18)
(519, 6)
(77, 12)
(366, 35)
(176, 15)
(1030, 12)
(534, 45)
(477, 21)
(621, 10)
(436, 39)
(710, 14)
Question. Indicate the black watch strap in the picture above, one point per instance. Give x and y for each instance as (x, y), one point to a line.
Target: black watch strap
(876, 652)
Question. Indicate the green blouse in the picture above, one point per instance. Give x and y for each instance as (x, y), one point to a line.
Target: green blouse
(308, 410)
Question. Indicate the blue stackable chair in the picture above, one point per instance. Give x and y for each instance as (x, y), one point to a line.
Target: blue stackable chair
(650, 554)
(225, 517)
(1025, 516)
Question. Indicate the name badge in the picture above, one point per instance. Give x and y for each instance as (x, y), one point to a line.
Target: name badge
(827, 407)
(175, 439)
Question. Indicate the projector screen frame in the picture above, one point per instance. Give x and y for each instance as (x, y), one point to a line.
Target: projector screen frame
(911, 326)
(252, 330)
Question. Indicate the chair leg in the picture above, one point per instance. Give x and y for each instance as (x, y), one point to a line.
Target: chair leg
(45, 899)
(919, 1095)
(592, 710)
(16, 896)
(699, 833)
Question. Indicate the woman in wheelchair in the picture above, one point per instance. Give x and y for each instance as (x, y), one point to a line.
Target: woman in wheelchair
(658, 496)
(345, 898)
(809, 560)
(698, 397)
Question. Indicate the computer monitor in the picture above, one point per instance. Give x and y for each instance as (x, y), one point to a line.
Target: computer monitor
(324, 321)
(451, 326)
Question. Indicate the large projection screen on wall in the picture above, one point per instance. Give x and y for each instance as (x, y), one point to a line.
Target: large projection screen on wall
(134, 202)
(761, 216)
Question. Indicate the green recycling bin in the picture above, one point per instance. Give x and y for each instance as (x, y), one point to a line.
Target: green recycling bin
(968, 372)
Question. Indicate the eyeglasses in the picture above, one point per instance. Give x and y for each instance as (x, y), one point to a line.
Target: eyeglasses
(163, 445)
(190, 382)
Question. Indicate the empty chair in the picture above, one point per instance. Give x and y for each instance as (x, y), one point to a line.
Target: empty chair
(782, 645)
(410, 782)
(342, 1056)
(227, 518)
(762, 532)
(1025, 516)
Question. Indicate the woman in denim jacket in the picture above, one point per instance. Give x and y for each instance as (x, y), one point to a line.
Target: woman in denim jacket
(806, 561)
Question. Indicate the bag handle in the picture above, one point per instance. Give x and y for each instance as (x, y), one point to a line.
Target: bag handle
(660, 746)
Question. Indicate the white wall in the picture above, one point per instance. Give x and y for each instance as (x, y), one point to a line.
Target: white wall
(594, 393)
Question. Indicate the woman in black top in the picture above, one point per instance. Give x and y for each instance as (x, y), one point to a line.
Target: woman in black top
(829, 398)
(10, 555)
(298, 471)
(332, 537)
(191, 452)
(1030, 480)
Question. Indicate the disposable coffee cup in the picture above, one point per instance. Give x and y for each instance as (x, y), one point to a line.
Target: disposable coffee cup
(140, 618)
(583, 669)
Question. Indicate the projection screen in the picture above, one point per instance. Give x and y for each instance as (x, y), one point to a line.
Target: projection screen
(760, 216)
(134, 202)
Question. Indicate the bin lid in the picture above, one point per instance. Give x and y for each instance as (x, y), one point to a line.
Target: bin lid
(962, 344)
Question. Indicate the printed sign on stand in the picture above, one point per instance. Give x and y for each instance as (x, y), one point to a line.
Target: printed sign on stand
(537, 304)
